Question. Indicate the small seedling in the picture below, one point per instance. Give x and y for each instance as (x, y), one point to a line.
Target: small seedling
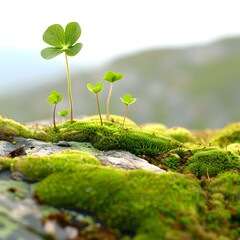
(96, 89)
(127, 100)
(63, 41)
(111, 77)
(54, 98)
(63, 113)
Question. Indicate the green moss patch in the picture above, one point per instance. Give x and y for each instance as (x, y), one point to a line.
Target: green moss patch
(109, 137)
(135, 201)
(211, 162)
(229, 134)
(10, 128)
(224, 204)
(35, 168)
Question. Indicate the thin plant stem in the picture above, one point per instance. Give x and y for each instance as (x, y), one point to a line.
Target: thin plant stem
(54, 116)
(108, 101)
(125, 117)
(69, 88)
(99, 112)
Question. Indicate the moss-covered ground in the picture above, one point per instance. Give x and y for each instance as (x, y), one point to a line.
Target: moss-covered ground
(197, 198)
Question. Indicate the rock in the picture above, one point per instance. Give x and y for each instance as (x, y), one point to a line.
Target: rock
(126, 160)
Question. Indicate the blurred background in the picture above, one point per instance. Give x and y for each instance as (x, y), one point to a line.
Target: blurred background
(181, 59)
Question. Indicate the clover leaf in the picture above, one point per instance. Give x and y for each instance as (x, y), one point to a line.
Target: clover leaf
(111, 77)
(54, 98)
(96, 89)
(63, 41)
(127, 99)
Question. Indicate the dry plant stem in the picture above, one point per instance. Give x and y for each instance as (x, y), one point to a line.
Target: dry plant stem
(125, 117)
(69, 88)
(99, 112)
(54, 114)
(108, 101)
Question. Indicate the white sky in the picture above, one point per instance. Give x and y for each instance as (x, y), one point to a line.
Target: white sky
(111, 27)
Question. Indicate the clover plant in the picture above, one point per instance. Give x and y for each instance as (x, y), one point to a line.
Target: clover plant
(54, 98)
(127, 100)
(63, 113)
(111, 77)
(96, 89)
(63, 41)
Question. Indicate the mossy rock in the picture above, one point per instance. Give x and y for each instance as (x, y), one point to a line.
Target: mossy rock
(224, 204)
(110, 137)
(229, 134)
(136, 201)
(9, 128)
(211, 162)
(35, 168)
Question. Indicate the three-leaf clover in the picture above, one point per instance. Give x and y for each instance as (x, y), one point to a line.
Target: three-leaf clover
(54, 98)
(127, 99)
(96, 89)
(111, 77)
(63, 41)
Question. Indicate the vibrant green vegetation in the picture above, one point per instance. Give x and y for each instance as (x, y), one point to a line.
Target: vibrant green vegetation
(96, 89)
(111, 77)
(127, 99)
(54, 98)
(63, 113)
(196, 199)
(63, 41)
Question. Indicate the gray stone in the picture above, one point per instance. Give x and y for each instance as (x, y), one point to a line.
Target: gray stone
(126, 160)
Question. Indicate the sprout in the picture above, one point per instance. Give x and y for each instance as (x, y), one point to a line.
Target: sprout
(54, 98)
(63, 113)
(96, 89)
(63, 41)
(127, 100)
(111, 77)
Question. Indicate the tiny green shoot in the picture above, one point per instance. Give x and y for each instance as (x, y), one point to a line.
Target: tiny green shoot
(127, 100)
(96, 89)
(54, 98)
(63, 41)
(63, 113)
(111, 77)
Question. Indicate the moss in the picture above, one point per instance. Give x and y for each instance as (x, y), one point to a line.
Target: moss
(109, 137)
(127, 200)
(224, 214)
(212, 162)
(172, 161)
(229, 134)
(35, 168)
(181, 134)
(11, 128)
(153, 127)
(113, 119)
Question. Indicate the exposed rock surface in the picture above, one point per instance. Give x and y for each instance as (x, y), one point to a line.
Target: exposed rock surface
(117, 158)
(126, 160)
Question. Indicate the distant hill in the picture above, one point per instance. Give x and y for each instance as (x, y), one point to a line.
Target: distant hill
(194, 87)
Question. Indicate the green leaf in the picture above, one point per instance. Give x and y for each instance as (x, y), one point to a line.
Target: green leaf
(72, 33)
(74, 50)
(51, 52)
(55, 97)
(112, 76)
(54, 36)
(95, 89)
(128, 99)
(63, 113)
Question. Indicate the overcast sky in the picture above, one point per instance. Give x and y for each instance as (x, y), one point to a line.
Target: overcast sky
(111, 28)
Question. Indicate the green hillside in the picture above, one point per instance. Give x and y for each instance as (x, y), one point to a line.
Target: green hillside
(194, 87)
